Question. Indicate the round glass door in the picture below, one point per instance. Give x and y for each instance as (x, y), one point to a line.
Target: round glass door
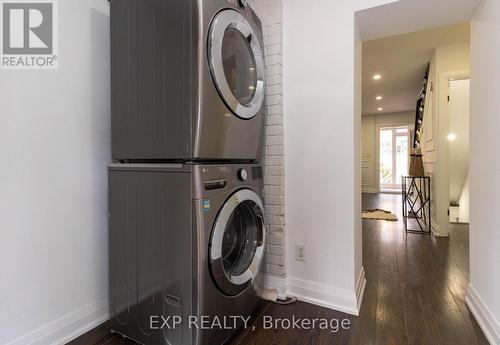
(236, 63)
(237, 242)
(239, 66)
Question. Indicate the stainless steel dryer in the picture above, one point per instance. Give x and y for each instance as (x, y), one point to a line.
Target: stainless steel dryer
(186, 241)
(187, 80)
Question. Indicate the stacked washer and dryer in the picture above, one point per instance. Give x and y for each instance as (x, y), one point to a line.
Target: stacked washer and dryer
(187, 228)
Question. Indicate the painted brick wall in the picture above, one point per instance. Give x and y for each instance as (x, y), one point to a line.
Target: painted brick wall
(270, 13)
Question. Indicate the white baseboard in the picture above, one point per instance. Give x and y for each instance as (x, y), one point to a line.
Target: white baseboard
(360, 288)
(68, 327)
(484, 317)
(328, 296)
(370, 190)
(74, 324)
(435, 230)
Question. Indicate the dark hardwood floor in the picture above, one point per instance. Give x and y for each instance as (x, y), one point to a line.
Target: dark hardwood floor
(415, 293)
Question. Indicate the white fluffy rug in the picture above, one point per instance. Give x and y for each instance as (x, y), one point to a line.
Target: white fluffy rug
(379, 214)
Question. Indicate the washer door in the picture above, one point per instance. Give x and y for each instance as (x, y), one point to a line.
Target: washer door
(237, 242)
(236, 63)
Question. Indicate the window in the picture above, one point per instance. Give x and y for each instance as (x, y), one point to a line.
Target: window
(393, 158)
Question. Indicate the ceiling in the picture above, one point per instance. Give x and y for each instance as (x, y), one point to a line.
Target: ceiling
(401, 61)
(405, 16)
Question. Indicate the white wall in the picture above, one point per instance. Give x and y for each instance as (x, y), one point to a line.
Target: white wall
(371, 124)
(463, 210)
(322, 76)
(483, 297)
(451, 61)
(459, 114)
(55, 146)
(448, 61)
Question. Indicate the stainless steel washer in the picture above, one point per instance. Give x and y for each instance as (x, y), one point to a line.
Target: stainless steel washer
(232, 235)
(236, 243)
(185, 241)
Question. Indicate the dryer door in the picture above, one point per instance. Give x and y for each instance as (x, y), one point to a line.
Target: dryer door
(236, 63)
(237, 242)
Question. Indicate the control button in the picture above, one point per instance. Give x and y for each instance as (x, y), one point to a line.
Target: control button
(242, 3)
(242, 175)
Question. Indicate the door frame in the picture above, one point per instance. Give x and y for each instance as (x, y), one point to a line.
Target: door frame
(442, 182)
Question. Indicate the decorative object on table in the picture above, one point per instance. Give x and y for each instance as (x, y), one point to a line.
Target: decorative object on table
(379, 215)
(419, 117)
(416, 193)
(416, 163)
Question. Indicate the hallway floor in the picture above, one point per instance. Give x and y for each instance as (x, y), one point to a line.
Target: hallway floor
(415, 293)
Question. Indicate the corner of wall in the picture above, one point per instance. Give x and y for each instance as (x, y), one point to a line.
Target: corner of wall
(272, 282)
(271, 16)
(484, 317)
(328, 296)
(360, 289)
(68, 327)
(358, 156)
(482, 296)
(451, 61)
(316, 293)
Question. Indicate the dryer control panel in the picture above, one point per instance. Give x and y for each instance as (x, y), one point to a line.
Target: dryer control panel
(239, 3)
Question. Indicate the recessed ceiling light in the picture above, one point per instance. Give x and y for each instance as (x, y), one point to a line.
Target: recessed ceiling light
(377, 76)
(378, 98)
(452, 136)
(380, 109)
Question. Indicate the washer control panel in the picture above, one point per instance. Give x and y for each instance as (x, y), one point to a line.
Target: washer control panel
(211, 178)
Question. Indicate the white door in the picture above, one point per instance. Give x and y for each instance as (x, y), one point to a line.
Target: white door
(393, 156)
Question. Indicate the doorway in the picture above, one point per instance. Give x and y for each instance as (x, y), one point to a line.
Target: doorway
(458, 146)
(385, 61)
(393, 156)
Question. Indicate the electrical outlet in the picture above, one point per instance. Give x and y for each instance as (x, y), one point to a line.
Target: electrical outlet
(300, 252)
